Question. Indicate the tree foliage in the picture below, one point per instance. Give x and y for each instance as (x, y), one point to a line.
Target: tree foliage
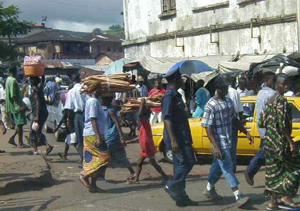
(97, 31)
(11, 26)
(115, 27)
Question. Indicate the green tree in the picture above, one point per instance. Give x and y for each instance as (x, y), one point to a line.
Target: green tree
(115, 27)
(97, 31)
(11, 26)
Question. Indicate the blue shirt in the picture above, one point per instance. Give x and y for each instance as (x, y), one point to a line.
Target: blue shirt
(218, 115)
(263, 97)
(173, 109)
(202, 97)
(93, 109)
(111, 132)
(143, 90)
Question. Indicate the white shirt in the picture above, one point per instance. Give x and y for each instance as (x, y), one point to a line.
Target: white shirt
(27, 102)
(243, 93)
(2, 94)
(235, 97)
(181, 91)
(76, 101)
(289, 94)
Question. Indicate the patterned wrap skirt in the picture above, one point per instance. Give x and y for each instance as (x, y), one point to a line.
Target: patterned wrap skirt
(94, 158)
(282, 174)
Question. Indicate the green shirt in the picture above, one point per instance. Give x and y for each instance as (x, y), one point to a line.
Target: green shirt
(12, 91)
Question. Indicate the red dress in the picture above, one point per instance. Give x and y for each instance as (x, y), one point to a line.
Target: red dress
(145, 138)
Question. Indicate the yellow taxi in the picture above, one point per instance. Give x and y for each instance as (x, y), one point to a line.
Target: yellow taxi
(202, 145)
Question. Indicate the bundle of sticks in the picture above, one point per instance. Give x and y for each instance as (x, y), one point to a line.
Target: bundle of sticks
(107, 84)
(133, 104)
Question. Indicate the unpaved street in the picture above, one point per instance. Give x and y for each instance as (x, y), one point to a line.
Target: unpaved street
(67, 193)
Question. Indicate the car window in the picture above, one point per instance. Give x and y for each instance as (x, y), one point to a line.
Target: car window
(248, 112)
(295, 113)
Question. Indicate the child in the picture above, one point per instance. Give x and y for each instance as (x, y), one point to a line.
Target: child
(68, 121)
(114, 138)
(147, 146)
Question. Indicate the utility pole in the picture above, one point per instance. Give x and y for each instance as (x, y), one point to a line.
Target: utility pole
(298, 23)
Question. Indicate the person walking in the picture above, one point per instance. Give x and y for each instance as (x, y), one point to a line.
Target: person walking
(6, 119)
(218, 120)
(243, 91)
(282, 164)
(96, 155)
(234, 95)
(264, 96)
(156, 112)
(39, 114)
(15, 106)
(76, 102)
(146, 142)
(177, 132)
(70, 135)
(114, 139)
(202, 97)
(143, 90)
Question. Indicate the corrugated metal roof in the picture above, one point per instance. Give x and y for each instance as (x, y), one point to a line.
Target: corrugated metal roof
(50, 35)
(102, 38)
(61, 65)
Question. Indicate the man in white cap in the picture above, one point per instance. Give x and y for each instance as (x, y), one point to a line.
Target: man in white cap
(143, 90)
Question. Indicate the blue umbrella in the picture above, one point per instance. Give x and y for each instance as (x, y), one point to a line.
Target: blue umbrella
(190, 67)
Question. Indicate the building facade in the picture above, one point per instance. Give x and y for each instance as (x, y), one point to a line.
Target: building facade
(55, 44)
(194, 28)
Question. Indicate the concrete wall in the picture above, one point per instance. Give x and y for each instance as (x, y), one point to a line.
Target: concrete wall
(147, 33)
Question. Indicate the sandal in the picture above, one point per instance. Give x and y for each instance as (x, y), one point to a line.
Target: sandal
(131, 178)
(85, 182)
(272, 208)
(286, 206)
(2, 151)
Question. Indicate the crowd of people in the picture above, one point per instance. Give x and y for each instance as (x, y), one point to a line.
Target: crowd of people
(93, 128)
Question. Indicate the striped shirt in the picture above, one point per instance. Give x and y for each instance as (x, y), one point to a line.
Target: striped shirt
(218, 115)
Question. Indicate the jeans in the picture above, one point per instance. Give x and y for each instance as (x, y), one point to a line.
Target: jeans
(183, 163)
(234, 147)
(225, 167)
(79, 125)
(256, 163)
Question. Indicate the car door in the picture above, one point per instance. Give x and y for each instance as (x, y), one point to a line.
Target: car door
(295, 108)
(196, 131)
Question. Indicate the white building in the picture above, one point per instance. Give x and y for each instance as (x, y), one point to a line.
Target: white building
(195, 28)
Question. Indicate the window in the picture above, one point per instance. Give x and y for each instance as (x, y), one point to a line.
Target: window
(115, 48)
(99, 48)
(108, 49)
(248, 111)
(295, 113)
(120, 49)
(168, 6)
(86, 49)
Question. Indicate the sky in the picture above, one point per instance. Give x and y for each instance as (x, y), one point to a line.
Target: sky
(74, 15)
